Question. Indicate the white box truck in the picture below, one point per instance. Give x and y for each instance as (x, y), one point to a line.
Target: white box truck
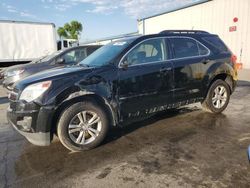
(22, 42)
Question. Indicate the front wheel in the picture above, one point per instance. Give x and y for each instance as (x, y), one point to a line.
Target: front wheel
(82, 126)
(217, 97)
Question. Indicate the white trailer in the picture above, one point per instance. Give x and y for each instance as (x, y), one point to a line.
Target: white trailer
(25, 41)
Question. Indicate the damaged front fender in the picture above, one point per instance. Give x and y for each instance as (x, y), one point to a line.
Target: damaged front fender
(82, 95)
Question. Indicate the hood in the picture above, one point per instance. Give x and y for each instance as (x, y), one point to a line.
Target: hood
(54, 74)
(15, 67)
(23, 66)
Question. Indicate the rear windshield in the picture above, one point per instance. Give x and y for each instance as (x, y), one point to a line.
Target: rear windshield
(217, 43)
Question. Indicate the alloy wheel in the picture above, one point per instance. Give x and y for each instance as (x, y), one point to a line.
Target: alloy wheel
(220, 96)
(84, 127)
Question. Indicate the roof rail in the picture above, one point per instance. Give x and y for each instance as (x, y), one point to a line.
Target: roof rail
(184, 32)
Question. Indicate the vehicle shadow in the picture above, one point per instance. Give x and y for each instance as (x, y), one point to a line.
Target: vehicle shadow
(55, 162)
(118, 132)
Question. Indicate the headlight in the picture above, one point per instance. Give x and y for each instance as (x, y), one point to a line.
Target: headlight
(34, 91)
(14, 72)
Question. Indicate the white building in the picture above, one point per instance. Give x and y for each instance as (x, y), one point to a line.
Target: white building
(230, 19)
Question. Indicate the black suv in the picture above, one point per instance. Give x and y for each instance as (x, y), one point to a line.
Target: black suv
(123, 82)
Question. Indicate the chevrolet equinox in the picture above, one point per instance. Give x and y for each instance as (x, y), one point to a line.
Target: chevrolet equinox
(123, 82)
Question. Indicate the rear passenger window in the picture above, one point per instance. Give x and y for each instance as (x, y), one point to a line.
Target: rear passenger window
(149, 51)
(184, 47)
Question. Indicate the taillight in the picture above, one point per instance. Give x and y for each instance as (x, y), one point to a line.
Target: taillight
(234, 59)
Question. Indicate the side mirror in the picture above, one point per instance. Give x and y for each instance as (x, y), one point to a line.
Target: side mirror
(124, 64)
(60, 61)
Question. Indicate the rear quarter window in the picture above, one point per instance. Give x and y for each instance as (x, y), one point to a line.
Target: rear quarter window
(203, 50)
(187, 47)
(217, 44)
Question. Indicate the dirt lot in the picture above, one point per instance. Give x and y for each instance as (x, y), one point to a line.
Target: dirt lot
(185, 148)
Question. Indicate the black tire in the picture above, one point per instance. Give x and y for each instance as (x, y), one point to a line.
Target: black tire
(71, 112)
(208, 105)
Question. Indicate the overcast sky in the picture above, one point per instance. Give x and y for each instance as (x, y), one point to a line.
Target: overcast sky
(100, 18)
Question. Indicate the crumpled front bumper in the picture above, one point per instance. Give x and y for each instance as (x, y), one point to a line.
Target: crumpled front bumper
(39, 139)
(34, 124)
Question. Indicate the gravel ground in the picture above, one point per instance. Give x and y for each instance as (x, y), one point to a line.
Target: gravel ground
(182, 148)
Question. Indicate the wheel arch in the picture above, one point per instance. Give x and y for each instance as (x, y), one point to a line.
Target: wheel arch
(222, 76)
(88, 96)
(223, 71)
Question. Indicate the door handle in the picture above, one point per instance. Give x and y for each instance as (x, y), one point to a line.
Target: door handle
(165, 69)
(206, 61)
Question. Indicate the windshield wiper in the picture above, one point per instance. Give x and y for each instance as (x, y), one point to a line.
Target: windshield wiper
(40, 59)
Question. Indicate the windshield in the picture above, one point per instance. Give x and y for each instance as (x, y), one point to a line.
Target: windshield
(105, 54)
(48, 57)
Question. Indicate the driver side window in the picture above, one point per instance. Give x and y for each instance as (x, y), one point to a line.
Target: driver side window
(152, 50)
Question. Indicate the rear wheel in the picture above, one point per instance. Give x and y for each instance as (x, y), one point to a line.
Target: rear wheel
(217, 97)
(82, 126)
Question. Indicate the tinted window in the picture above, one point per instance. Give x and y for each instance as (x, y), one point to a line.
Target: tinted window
(184, 47)
(203, 50)
(152, 50)
(90, 50)
(216, 43)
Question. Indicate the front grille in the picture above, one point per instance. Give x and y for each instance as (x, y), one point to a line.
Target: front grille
(13, 106)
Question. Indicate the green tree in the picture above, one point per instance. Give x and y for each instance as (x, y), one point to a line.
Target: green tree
(70, 30)
(62, 33)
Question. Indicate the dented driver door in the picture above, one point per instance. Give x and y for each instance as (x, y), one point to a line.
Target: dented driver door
(144, 76)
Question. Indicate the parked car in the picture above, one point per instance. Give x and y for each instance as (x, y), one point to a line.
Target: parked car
(123, 82)
(58, 59)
